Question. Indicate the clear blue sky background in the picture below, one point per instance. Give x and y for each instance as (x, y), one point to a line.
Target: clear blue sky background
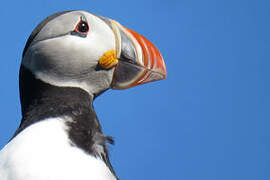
(209, 120)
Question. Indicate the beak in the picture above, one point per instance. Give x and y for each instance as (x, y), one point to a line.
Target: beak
(139, 60)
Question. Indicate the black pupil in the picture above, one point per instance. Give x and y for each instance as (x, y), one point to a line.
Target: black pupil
(83, 27)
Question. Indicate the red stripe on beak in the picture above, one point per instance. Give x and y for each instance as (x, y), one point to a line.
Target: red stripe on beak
(140, 61)
(152, 58)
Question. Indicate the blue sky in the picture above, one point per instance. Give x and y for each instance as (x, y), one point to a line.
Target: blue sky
(209, 120)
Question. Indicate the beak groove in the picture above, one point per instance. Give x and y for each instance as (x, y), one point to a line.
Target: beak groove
(140, 61)
(153, 60)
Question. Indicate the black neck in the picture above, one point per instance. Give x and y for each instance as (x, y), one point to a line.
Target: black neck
(40, 101)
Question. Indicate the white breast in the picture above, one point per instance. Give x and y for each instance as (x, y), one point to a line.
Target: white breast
(43, 152)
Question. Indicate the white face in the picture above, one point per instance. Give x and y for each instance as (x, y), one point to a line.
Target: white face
(62, 57)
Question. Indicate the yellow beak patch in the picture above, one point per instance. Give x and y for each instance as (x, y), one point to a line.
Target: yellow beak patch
(108, 60)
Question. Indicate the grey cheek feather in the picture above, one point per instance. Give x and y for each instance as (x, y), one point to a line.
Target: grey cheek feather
(63, 74)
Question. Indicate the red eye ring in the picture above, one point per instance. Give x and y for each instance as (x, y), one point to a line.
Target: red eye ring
(82, 27)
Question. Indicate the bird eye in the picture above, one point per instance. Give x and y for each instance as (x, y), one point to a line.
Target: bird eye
(82, 27)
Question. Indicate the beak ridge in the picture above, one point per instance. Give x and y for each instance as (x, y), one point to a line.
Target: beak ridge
(140, 61)
(152, 59)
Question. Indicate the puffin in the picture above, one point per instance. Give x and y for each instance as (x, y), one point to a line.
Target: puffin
(71, 58)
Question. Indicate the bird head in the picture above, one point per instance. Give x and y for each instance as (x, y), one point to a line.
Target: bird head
(83, 50)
